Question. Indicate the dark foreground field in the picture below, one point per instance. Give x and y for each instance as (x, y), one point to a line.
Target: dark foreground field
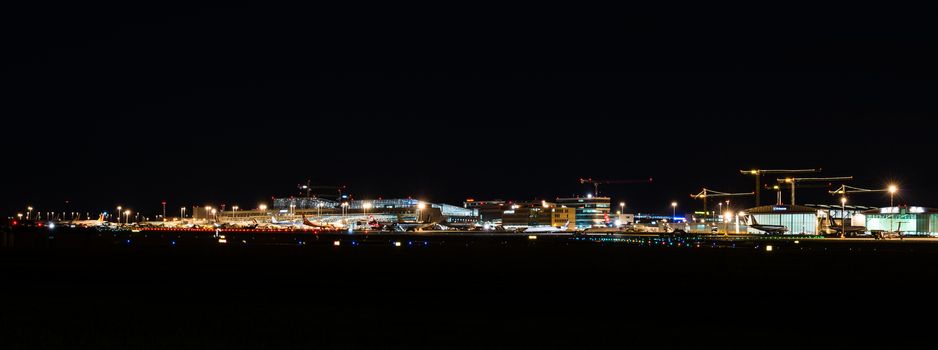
(487, 294)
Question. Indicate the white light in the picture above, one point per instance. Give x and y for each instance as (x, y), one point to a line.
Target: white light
(337, 243)
(51, 225)
(768, 248)
(532, 237)
(589, 195)
(397, 243)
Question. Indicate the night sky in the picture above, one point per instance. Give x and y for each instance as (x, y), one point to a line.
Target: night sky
(110, 105)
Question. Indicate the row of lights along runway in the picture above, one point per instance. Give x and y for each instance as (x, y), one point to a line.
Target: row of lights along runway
(591, 213)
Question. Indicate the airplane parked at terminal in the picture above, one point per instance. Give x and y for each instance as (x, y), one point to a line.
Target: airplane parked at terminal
(90, 223)
(839, 229)
(546, 228)
(769, 229)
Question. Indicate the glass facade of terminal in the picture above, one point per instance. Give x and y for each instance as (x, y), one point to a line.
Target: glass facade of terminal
(590, 211)
(376, 205)
(914, 220)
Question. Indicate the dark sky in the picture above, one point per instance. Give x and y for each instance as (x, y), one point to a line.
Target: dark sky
(134, 105)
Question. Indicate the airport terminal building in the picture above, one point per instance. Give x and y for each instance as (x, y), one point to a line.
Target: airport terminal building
(908, 220)
(590, 211)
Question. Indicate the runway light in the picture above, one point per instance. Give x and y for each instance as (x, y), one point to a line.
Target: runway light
(337, 243)
(768, 248)
(532, 237)
(796, 242)
(397, 243)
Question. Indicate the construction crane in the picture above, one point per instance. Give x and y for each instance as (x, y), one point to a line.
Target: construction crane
(844, 190)
(596, 183)
(708, 193)
(759, 172)
(794, 180)
(308, 188)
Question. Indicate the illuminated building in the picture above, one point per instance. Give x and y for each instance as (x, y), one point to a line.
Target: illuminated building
(590, 211)
(489, 211)
(908, 220)
(539, 214)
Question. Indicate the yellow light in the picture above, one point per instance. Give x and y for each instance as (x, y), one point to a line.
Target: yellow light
(421, 205)
(262, 207)
(788, 179)
(754, 172)
(337, 243)
(768, 248)
(796, 242)
(775, 187)
(397, 243)
(843, 200)
(674, 204)
(127, 212)
(893, 188)
(366, 205)
(532, 237)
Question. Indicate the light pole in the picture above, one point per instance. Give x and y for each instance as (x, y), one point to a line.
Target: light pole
(365, 207)
(843, 216)
(673, 211)
(29, 212)
(719, 212)
(118, 216)
(892, 193)
(164, 210)
(622, 206)
(215, 215)
(127, 215)
(726, 221)
(319, 210)
(182, 213)
(420, 206)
